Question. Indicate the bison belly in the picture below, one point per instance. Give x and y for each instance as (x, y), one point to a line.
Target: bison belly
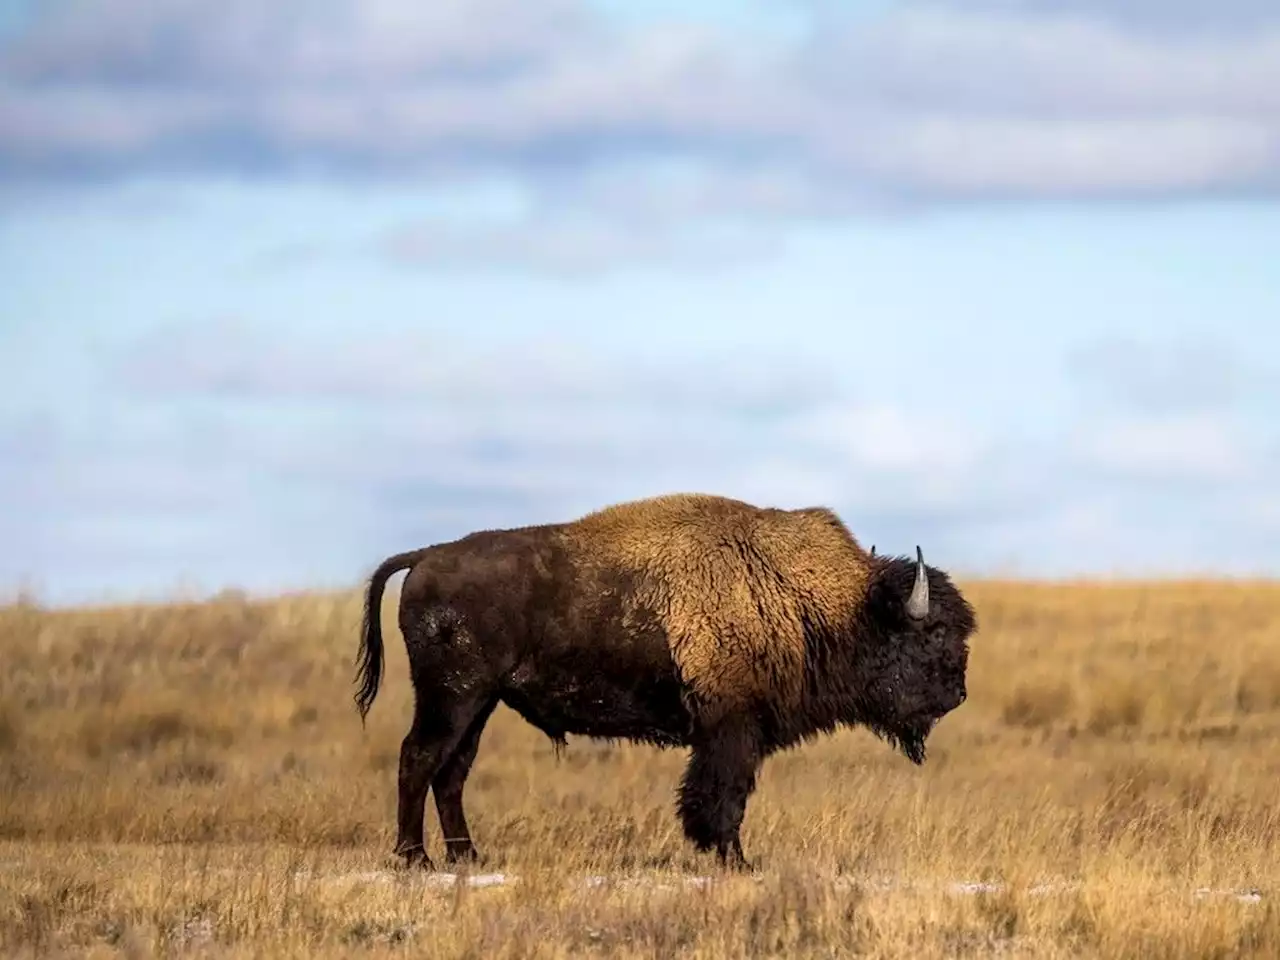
(612, 693)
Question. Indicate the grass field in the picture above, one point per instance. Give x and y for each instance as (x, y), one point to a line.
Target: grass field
(194, 778)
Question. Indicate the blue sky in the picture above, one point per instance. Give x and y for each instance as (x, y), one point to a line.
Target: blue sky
(290, 287)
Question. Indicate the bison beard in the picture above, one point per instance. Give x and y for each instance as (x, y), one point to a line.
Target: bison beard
(689, 621)
(908, 740)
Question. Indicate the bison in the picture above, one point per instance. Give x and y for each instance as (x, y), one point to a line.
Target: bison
(685, 620)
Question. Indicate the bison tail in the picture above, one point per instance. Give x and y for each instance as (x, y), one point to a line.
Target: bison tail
(369, 663)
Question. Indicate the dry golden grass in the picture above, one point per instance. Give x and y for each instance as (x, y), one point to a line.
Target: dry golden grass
(194, 777)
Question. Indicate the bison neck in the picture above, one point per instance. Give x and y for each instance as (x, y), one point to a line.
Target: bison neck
(834, 694)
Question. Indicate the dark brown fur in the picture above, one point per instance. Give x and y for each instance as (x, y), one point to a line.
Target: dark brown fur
(685, 620)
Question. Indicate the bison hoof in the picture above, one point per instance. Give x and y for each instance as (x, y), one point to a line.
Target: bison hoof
(415, 858)
(462, 853)
(731, 858)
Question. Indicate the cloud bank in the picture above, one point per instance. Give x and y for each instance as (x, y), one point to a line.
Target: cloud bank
(928, 103)
(255, 459)
(289, 460)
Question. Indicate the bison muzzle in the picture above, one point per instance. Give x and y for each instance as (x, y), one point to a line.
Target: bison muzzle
(686, 620)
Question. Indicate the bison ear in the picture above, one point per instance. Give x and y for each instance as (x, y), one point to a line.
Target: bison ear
(918, 602)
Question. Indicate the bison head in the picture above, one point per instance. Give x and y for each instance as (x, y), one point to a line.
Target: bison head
(912, 651)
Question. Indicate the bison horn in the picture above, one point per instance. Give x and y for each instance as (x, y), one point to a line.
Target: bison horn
(873, 549)
(918, 602)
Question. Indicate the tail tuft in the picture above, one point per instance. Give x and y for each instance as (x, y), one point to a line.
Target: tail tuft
(369, 660)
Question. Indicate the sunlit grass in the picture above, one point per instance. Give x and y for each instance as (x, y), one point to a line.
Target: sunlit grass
(194, 775)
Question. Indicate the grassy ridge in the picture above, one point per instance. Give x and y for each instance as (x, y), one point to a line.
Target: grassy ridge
(165, 771)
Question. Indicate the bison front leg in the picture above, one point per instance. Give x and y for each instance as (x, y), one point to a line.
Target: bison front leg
(717, 782)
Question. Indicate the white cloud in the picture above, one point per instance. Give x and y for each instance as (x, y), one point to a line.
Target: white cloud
(575, 246)
(1052, 66)
(1190, 447)
(243, 42)
(932, 101)
(1263, 510)
(627, 215)
(236, 456)
(1170, 412)
(1186, 376)
(879, 436)
(1230, 17)
(234, 357)
(1063, 158)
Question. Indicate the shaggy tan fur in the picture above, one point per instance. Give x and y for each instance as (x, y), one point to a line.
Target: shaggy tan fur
(730, 582)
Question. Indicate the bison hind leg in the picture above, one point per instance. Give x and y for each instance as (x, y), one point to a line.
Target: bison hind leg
(448, 784)
(713, 793)
(438, 751)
